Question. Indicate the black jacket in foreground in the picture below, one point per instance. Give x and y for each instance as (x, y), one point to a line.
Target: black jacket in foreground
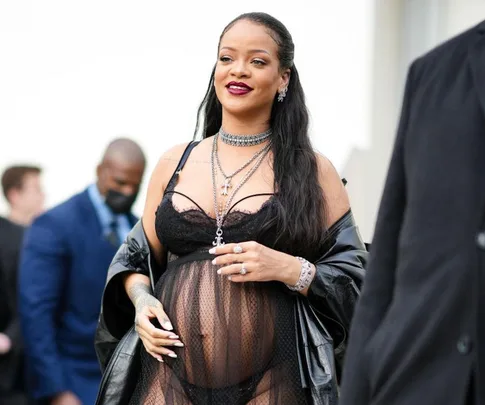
(418, 333)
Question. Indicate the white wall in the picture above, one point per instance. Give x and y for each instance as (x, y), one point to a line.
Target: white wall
(403, 30)
(367, 165)
(430, 22)
(462, 14)
(74, 75)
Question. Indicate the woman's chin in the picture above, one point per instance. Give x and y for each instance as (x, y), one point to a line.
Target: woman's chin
(237, 110)
(241, 108)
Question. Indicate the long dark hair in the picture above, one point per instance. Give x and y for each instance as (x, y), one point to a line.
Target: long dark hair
(301, 209)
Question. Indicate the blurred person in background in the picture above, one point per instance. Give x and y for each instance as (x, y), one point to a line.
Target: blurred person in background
(22, 189)
(418, 335)
(67, 252)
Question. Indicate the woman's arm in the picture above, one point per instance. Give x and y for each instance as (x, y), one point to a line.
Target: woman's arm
(334, 192)
(137, 286)
(337, 205)
(159, 179)
(161, 175)
(127, 295)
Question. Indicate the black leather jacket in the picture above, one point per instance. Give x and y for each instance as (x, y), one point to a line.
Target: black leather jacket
(323, 317)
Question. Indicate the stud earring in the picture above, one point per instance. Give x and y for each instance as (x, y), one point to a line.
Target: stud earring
(282, 94)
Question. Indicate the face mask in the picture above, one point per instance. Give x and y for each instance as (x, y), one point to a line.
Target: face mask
(118, 202)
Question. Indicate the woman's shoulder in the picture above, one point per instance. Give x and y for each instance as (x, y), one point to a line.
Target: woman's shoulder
(174, 154)
(326, 169)
(333, 189)
(167, 163)
(169, 160)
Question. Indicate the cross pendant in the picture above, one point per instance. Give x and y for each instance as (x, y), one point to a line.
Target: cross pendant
(218, 241)
(226, 186)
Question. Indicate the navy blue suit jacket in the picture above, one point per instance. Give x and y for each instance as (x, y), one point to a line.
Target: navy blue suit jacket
(63, 271)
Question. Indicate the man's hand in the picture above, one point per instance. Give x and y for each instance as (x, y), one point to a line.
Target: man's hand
(66, 398)
(5, 344)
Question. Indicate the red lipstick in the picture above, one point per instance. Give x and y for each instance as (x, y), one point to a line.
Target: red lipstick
(238, 88)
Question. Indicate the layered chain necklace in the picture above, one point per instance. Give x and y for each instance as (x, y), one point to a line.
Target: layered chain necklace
(227, 178)
(222, 211)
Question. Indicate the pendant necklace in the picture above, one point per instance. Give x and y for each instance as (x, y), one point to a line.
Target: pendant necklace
(221, 213)
(227, 178)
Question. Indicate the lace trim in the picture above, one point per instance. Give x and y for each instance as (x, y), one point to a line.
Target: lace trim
(233, 213)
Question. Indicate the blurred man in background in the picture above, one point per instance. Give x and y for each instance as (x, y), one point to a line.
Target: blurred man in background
(418, 334)
(66, 255)
(22, 189)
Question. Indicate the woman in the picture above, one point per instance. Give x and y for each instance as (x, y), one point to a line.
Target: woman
(242, 219)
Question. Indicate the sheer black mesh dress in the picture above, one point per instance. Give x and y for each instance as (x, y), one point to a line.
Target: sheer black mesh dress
(240, 339)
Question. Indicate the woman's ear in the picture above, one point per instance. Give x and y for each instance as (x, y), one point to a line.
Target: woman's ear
(285, 79)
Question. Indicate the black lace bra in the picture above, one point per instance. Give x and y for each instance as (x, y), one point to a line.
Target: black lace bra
(186, 231)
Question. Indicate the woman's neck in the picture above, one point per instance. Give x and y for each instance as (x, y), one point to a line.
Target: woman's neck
(235, 126)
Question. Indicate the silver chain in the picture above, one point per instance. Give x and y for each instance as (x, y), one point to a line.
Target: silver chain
(244, 140)
(228, 178)
(220, 215)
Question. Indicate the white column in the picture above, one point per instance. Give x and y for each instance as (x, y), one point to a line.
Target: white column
(404, 30)
(462, 14)
(366, 167)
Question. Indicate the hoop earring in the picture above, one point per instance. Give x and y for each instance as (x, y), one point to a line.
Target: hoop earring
(282, 94)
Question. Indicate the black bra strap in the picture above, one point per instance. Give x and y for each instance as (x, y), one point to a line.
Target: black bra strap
(182, 161)
(188, 198)
(249, 196)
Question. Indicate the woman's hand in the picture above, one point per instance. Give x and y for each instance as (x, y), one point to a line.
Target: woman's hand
(65, 398)
(156, 341)
(259, 262)
(5, 344)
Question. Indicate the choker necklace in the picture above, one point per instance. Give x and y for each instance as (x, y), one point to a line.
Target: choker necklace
(244, 140)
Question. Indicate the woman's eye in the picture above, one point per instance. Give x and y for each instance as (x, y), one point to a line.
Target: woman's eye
(259, 62)
(225, 59)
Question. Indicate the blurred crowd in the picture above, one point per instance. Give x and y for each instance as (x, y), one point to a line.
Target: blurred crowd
(53, 266)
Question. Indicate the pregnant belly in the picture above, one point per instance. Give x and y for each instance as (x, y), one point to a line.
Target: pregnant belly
(228, 329)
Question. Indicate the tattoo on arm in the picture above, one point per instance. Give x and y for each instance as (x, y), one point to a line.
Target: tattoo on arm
(141, 296)
(139, 292)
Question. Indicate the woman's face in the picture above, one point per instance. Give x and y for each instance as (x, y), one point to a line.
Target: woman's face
(247, 76)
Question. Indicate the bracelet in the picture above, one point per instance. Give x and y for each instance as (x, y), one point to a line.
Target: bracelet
(305, 276)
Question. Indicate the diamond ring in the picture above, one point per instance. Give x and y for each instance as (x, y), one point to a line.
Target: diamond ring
(243, 270)
(237, 249)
